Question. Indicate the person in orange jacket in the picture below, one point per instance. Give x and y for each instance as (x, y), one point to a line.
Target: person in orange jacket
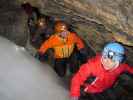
(63, 43)
(105, 69)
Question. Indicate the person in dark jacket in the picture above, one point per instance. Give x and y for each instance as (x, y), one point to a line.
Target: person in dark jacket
(33, 15)
(40, 26)
(105, 68)
(43, 31)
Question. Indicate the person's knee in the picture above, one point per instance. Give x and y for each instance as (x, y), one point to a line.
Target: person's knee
(60, 71)
(61, 74)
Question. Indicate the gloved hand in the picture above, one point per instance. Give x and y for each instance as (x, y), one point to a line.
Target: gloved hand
(38, 56)
(75, 98)
(41, 57)
(83, 54)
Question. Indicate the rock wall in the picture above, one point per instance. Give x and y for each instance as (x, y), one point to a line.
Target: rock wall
(96, 21)
(13, 22)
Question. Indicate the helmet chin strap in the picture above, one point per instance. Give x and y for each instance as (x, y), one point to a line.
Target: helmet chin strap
(114, 66)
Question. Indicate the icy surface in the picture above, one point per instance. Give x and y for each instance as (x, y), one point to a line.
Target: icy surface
(22, 77)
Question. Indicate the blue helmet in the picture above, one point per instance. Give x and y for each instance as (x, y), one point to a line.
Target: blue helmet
(114, 51)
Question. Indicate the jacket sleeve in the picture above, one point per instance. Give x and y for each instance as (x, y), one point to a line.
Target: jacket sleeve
(46, 45)
(78, 41)
(129, 68)
(79, 78)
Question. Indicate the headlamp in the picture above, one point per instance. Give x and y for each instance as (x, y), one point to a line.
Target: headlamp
(111, 54)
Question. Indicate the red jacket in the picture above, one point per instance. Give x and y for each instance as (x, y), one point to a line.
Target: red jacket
(104, 78)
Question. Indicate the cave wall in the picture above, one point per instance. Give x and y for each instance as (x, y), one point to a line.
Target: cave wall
(12, 22)
(96, 21)
(114, 15)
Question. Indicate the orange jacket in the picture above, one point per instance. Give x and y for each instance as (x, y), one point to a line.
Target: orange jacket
(63, 48)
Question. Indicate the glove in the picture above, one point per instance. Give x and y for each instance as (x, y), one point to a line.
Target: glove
(38, 56)
(41, 57)
(83, 54)
(75, 98)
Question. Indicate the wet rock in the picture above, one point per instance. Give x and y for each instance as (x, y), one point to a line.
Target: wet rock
(96, 21)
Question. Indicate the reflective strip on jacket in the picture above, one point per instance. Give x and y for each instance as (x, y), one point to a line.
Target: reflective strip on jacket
(104, 78)
(63, 48)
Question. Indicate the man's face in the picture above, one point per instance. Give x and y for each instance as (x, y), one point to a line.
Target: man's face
(109, 64)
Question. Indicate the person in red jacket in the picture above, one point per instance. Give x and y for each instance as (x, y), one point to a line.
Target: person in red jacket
(105, 67)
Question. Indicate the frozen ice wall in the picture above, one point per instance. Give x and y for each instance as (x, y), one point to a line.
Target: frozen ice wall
(22, 77)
